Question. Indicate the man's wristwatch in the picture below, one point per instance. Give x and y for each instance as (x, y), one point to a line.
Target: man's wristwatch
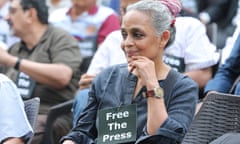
(156, 93)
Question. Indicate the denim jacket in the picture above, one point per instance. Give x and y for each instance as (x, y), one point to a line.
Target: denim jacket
(115, 86)
(227, 73)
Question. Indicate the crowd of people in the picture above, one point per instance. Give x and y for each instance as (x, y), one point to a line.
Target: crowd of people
(136, 69)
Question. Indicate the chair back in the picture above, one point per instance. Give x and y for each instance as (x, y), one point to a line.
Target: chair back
(31, 107)
(54, 113)
(219, 114)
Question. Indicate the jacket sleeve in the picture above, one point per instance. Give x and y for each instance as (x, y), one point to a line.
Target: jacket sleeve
(85, 131)
(227, 73)
(181, 109)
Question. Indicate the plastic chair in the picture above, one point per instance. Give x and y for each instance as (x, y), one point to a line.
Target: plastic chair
(31, 107)
(55, 112)
(219, 114)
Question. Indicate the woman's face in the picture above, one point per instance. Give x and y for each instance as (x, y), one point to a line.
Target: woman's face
(139, 36)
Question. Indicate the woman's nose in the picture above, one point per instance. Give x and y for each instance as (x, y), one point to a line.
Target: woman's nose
(128, 41)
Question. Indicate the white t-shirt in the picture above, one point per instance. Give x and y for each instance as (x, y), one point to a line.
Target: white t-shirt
(13, 122)
(191, 44)
(109, 53)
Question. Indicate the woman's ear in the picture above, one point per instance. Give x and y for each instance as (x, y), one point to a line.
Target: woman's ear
(165, 38)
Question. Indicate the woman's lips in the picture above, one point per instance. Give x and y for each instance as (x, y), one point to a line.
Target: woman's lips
(131, 53)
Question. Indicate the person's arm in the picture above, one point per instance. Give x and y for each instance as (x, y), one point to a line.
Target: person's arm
(171, 120)
(54, 75)
(201, 76)
(157, 113)
(199, 53)
(180, 109)
(14, 141)
(86, 81)
(227, 73)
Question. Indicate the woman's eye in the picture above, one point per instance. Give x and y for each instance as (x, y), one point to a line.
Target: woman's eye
(134, 35)
(124, 35)
(138, 35)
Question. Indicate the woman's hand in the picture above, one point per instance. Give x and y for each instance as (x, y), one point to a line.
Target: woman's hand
(145, 70)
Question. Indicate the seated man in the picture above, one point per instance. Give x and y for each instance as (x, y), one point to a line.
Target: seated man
(15, 128)
(45, 63)
(88, 23)
(191, 53)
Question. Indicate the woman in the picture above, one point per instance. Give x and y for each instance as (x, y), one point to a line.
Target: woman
(164, 100)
